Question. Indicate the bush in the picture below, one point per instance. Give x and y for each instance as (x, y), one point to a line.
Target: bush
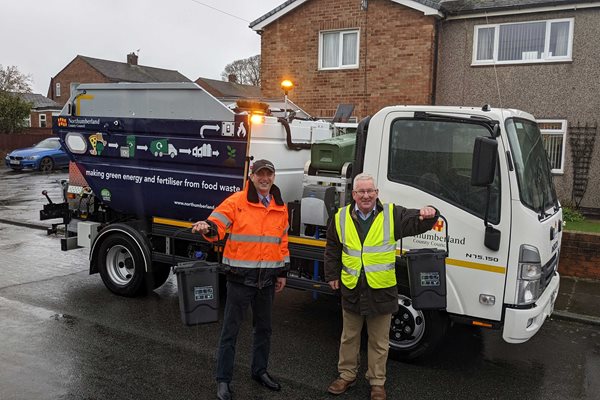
(13, 112)
(572, 215)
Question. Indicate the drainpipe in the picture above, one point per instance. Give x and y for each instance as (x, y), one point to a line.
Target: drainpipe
(438, 24)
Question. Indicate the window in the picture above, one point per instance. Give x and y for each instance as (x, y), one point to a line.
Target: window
(338, 49)
(436, 157)
(57, 91)
(42, 119)
(553, 136)
(27, 122)
(525, 42)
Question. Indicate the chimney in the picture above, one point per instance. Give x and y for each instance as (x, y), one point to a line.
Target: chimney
(132, 59)
(232, 78)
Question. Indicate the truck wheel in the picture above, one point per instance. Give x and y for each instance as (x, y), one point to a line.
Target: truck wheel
(121, 265)
(161, 272)
(415, 333)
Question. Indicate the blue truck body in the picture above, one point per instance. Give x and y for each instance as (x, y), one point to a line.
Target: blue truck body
(177, 169)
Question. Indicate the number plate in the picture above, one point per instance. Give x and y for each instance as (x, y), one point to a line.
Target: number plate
(15, 162)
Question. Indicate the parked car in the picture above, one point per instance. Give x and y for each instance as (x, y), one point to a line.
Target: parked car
(44, 156)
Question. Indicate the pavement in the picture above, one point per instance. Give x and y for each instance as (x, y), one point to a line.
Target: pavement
(578, 299)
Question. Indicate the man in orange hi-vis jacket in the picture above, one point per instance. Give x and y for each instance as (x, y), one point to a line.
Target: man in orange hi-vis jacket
(257, 255)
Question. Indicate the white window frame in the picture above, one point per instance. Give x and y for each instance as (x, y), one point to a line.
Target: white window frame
(545, 56)
(556, 132)
(57, 90)
(42, 117)
(27, 121)
(341, 32)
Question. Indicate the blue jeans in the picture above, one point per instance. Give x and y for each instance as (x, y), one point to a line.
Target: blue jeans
(239, 297)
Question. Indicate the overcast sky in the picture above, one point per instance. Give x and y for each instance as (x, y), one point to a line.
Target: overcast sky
(40, 37)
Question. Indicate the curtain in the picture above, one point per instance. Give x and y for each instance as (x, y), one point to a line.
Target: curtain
(554, 148)
(485, 44)
(559, 38)
(521, 41)
(330, 51)
(350, 43)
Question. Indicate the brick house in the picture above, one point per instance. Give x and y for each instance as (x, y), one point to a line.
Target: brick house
(339, 52)
(84, 69)
(42, 110)
(375, 53)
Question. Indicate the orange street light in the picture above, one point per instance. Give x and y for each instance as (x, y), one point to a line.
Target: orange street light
(286, 85)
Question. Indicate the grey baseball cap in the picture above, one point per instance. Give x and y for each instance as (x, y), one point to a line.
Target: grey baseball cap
(260, 164)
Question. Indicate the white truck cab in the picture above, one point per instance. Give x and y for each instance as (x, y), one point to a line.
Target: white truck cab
(504, 242)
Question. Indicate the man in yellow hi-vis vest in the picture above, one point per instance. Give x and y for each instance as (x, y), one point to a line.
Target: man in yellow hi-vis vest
(361, 254)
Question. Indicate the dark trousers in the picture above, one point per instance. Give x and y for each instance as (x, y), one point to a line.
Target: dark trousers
(239, 297)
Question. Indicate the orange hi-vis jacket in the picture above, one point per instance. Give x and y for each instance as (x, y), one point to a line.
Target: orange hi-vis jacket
(258, 236)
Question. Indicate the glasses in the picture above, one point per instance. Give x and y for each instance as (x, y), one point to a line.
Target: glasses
(368, 192)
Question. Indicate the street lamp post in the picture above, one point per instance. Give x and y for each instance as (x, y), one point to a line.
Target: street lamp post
(286, 85)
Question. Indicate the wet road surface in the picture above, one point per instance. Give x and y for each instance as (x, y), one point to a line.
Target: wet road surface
(21, 193)
(64, 336)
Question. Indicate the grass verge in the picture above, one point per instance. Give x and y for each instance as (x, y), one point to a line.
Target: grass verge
(589, 225)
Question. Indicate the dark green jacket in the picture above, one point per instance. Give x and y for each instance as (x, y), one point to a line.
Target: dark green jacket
(363, 299)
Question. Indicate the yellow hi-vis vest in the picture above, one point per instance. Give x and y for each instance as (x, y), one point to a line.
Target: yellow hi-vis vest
(377, 255)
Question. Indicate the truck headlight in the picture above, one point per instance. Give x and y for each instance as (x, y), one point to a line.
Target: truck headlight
(530, 273)
(528, 292)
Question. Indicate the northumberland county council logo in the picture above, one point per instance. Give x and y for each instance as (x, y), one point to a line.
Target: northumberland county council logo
(62, 122)
(105, 194)
(439, 225)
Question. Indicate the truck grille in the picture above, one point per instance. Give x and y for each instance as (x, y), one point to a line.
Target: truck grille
(548, 271)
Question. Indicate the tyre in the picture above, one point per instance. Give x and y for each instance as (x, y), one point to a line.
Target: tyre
(46, 164)
(160, 272)
(415, 333)
(121, 265)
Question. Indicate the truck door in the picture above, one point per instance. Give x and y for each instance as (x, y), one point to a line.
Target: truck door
(427, 161)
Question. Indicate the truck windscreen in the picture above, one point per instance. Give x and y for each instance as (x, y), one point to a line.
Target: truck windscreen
(436, 157)
(534, 178)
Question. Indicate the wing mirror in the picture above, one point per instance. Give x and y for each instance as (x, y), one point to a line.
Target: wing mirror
(483, 171)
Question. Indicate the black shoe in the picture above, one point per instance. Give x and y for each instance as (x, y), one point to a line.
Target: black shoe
(266, 380)
(223, 391)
